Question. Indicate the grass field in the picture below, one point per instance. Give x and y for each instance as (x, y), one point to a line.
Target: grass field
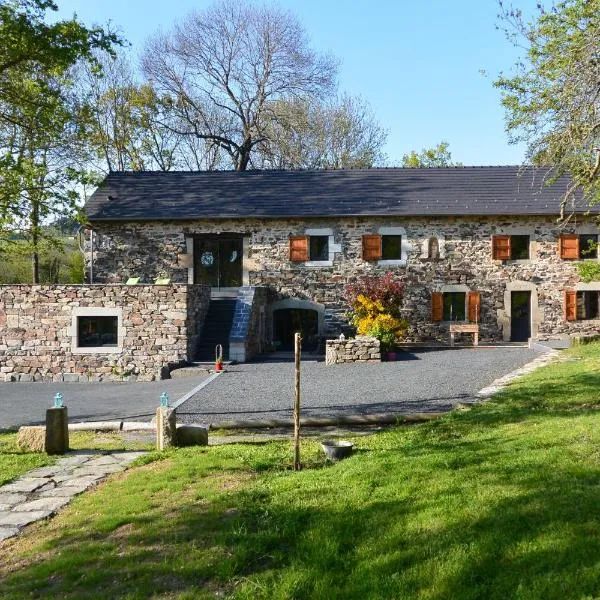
(500, 501)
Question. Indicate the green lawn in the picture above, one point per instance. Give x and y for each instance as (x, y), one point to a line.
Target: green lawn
(501, 501)
(14, 461)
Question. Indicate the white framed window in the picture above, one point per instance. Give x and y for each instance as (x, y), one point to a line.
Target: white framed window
(321, 247)
(97, 330)
(394, 246)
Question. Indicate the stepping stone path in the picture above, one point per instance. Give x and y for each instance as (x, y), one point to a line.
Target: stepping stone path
(40, 493)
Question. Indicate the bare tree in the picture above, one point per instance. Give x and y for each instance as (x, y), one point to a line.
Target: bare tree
(340, 133)
(223, 71)
(125, 119)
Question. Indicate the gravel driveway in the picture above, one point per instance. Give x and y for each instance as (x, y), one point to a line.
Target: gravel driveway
(26, 403)
(425, 380)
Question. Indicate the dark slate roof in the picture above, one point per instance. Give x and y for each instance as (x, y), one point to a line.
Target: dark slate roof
(149, 196)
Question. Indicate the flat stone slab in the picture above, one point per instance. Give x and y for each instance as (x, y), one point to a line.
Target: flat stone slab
(24, 485)
(8, 532)
(20, 519)
(12, 498)
(44, 504)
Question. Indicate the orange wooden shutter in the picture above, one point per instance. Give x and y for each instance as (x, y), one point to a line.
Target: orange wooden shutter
(568, 247)
(371, 247)
(570, 305)
(501, 247)
(299, 248)
(437, 306)
(474, 306)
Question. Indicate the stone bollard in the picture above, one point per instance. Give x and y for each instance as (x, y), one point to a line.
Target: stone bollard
(166, 428)
(57, 430)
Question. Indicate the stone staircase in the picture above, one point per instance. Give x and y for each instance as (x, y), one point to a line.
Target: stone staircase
(216, 329)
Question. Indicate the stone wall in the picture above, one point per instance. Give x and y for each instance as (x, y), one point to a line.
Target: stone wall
(159, 326)
(465, 263)
(358, 349)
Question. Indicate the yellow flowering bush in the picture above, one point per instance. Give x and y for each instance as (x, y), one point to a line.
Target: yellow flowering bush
(377, 314)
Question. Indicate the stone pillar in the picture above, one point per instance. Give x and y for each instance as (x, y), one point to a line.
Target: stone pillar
(57, 430)
(166, 428)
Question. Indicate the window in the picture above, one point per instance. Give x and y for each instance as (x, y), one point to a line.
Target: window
(510, 247)
(519, 247)
(587, 305)
(578, 246)
(95, 332)
(454, 306)
(319, 247)
(391, 247)
(588, 246)
(387, 246)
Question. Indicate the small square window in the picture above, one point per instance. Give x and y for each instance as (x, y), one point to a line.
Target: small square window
(391, 247)
(454, 306)
(319, 247)
(97, 332)
(588, 305)
(519, 247)
(588, 246)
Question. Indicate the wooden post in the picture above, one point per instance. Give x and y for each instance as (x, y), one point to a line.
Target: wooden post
(297, 352)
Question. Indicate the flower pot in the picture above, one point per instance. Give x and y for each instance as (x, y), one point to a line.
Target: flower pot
(337, 449)
(218, 366)
(391, 356)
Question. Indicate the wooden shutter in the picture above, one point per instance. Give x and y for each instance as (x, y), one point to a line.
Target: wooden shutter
(501, 247)
(299, 248)
(570, 305)
(437, 306)
(474, 307)
(371, 247)
(568, 247)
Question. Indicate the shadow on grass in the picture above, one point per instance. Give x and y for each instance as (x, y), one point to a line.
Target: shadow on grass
(500, 501)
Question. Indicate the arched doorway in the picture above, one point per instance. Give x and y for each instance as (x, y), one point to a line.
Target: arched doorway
(287, 321)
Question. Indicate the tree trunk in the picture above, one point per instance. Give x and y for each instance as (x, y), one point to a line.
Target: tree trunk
(35, 240)
(244, 156)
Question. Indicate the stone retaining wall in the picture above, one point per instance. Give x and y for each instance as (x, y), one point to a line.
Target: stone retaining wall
(358, 349)
(159, 327)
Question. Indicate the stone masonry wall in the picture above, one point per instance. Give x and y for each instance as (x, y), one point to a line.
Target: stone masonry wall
(466, 260)
(358, 349)
(160, 325)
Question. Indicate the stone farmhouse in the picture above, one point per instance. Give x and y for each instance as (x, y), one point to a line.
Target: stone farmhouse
(249, 258)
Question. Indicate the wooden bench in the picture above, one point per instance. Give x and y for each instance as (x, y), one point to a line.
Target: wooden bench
(464, 328)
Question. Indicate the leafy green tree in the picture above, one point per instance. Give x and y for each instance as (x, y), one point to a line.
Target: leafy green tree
(438, 156)
(40, 135)
(552, 100)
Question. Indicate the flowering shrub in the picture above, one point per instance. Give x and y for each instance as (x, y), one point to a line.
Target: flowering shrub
(376, 305)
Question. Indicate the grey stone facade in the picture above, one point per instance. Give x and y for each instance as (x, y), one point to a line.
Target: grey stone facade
(158, 326)
(465, 263)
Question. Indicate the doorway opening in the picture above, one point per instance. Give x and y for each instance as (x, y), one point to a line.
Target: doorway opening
(288, 321)
(218, 261)
(520, 316)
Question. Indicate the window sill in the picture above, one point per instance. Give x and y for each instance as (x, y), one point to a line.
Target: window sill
(318, 263)
(391, 263)
(97, 350)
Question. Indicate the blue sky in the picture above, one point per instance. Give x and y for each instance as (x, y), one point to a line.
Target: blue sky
(418, 63)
